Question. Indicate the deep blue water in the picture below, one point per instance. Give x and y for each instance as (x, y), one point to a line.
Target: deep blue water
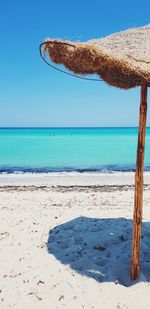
(70, 149)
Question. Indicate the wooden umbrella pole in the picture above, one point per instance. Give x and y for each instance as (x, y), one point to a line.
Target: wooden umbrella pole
(138, 196)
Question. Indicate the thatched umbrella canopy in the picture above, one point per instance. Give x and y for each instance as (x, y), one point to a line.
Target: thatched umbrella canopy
(122, 60)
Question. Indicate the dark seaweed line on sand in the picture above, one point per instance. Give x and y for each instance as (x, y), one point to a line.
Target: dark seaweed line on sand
(77, 188)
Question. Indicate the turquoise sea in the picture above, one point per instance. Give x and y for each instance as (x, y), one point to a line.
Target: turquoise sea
(69, 149)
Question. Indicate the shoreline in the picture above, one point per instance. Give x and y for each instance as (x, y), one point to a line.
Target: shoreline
(72, 179)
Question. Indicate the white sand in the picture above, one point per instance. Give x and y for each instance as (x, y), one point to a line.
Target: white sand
(84, 262)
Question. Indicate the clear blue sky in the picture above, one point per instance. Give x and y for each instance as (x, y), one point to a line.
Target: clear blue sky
(31, 94)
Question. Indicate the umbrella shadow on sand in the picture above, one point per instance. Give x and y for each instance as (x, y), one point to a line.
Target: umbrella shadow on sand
(100, 248)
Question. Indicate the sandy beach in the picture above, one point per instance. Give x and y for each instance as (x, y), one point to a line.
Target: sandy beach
(65, 242)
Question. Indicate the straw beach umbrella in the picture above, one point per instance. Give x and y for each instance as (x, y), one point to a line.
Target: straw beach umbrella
(121, 60)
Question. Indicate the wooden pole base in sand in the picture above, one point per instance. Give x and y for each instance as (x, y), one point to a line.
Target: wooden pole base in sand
(138, 196)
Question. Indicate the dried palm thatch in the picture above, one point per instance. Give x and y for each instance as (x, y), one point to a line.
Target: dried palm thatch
(121, 59)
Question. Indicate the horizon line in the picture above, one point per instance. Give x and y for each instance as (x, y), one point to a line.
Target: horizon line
(66, 127)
